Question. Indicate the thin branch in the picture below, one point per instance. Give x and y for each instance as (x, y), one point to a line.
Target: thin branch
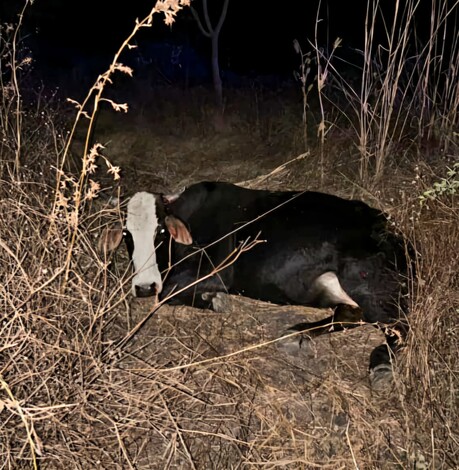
(200, 25)
(228, 261)
(222, 17)
(207, 17)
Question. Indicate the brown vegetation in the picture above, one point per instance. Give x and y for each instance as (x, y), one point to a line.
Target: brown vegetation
(90, 378)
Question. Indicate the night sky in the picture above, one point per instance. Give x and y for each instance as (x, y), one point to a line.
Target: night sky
(255, 39)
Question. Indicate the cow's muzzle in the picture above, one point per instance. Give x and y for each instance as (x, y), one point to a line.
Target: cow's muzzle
(148, 290)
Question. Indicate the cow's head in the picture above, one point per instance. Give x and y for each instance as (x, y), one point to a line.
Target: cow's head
(147, 227)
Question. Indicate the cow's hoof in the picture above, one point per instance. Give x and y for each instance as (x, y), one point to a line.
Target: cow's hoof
(382, 378)
(291, 343)
(219, 302)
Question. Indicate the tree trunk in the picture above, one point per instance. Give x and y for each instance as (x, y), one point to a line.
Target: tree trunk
(216, 73)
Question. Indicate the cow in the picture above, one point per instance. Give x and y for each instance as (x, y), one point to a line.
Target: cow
(286, 247)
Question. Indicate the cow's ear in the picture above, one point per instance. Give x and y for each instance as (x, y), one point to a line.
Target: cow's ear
(110, 238)
(178, 230)
(170, 198)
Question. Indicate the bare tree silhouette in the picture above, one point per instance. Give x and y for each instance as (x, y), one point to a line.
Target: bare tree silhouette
(213, 33)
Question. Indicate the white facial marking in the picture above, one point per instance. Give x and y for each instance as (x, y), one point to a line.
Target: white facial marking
(142, 223)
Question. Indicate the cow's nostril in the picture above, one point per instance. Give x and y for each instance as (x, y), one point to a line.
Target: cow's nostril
(148, 290)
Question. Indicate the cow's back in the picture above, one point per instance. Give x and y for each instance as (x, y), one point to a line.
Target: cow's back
(303, 234)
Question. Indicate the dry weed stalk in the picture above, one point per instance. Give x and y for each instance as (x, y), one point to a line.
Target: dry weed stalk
(43, 248)
(224, 264)
(404, 80)
(169, 8)
(15, 66)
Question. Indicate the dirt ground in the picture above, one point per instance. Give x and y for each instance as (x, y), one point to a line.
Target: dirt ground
(244, 400)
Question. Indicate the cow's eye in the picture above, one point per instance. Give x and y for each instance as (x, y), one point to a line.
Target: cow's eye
(160, 230)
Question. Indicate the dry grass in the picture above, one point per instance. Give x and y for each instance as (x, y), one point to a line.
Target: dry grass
(398, 88)
(89, 378)
(195, 389)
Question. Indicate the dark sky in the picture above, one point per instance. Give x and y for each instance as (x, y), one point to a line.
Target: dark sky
(257, 36)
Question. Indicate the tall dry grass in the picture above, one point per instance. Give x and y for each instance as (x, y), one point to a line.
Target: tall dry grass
(403, 94)
(402, 110)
